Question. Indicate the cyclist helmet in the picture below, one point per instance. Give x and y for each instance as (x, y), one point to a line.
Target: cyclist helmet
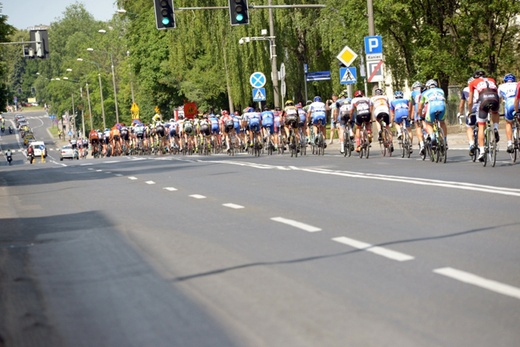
(317, 99)
(378, 91)
(509, 78)
(289, 103)
(416, 84)
(479, 73)
(431, 84)
(398, 94)
(224, 112)
(342, 95)
(358, 94)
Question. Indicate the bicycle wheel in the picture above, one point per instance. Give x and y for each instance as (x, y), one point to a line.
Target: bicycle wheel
(492, 149)
(486, 147)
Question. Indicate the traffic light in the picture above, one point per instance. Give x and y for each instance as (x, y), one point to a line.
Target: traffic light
(40, 44)
(238, 11)
(164, 15)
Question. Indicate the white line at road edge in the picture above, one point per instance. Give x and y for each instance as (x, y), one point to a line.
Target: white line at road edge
(231, 205)
(296, 224)
(470, 278)
(385, 252)
(390, 178)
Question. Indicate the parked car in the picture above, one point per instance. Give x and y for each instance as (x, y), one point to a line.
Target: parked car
(68, 153)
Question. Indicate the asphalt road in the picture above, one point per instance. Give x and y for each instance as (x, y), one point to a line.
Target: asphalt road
(269, 251)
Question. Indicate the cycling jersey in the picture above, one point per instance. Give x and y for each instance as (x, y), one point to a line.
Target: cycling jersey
(380, 108)
(214, 124)
(435, 104)
(415, 97)
(488, 96)
(361, 110)
(318, 115)
(400, 108)
(507, 91)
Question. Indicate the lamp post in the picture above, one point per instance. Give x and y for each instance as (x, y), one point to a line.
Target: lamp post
(100, 92)
(272, 57)
(103, 31)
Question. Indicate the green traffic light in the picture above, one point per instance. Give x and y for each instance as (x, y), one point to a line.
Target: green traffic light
(239, 17)
(166, 21)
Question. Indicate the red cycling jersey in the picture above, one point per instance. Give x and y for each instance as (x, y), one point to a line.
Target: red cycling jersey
(479, 84)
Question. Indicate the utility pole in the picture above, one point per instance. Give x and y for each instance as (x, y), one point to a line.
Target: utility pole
(274, 65)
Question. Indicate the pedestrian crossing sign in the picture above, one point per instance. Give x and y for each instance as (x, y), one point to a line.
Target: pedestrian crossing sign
(347, 75)
(259, 94)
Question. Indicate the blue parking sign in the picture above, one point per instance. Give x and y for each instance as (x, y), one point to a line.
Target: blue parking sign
(373, 45)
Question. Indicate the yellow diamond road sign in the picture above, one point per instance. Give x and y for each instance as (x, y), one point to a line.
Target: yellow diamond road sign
(347, 56)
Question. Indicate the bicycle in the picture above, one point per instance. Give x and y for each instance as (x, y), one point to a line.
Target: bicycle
(516, 140)
(318, 141)
(294, 144)
(405, 142)
(490, 144)
(348, 143)
(364, 142)
(438, 151)
(386, 141)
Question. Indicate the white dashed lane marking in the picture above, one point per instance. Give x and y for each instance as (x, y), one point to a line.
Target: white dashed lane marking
(231, 205)
(132, 178)
(478, 281)
(150, 182)
(385, 252)
(170, 189)
(296, 224)
(197, 196)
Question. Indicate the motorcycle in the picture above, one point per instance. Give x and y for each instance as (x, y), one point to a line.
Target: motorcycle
(9, 157)
(30, 157)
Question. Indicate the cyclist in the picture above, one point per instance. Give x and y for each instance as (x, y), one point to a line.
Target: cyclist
(303, 121)
(254, 125)
(291, 119)
(318, 116)
(399, 111)
(489, 102)
(414, 115)
(381, 111)
(215, 129)
(344, 107)
(507, 93)
(268, 124)
(471, 117)
(433, 106)
(334, 124)
(229, 128)
(361, 113)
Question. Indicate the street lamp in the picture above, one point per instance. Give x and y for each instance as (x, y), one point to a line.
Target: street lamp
(272, 57)
(113, 78)
(100, 91)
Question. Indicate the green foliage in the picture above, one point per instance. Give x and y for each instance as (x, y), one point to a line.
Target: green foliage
(202, 61)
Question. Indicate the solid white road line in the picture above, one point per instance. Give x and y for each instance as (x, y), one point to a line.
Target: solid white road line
(470, 278)
(170, 189)
(296, 224)
(235, 206)
(385, 252)
(197, 196)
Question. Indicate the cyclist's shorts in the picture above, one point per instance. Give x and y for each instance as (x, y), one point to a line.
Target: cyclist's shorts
(509, 109)
(270, 127)
(399, 120)
(489, 101)
(471, 120)
(254, 127)
(204, 130)
(435, 112)
(319, 120)
(383, 116)
(343, 119)
(362, 118)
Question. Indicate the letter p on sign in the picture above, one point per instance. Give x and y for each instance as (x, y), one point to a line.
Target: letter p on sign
(373, 45)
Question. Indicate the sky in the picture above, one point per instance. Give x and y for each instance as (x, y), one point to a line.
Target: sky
(23, 14)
